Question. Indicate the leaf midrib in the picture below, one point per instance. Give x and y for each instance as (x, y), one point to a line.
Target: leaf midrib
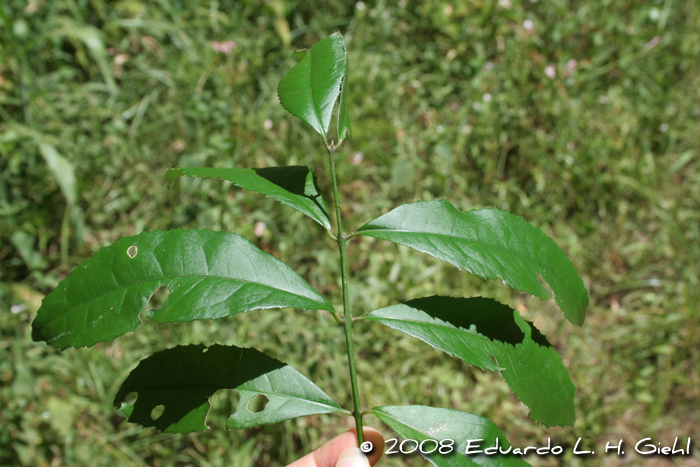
(429, 324)
(313, 209)
(279, 194)
(172, 388)
(481, 422)
(363, 232)
(311, 93)
(503, 345)
(176, 277)
(298, 399)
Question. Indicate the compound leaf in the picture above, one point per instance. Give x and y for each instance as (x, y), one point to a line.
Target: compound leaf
(182, 380)
(315, 89)
(420, 423)
(490, 243)
(294, 186)
(474, 329)
(209, 274)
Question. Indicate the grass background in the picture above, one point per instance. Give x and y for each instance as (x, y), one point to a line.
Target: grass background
(583, 117)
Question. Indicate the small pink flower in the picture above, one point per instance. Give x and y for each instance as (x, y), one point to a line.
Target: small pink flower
(550, 71)
(224, 47)
(570, 67)
(260, 228)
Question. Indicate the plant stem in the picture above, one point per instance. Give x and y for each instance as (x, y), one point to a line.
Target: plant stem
(347, 317)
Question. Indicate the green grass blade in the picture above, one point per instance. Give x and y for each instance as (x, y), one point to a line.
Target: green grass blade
(490, 243)
(182, 379)
(295, 186)
(209, 274)
(91, 37)
(62, 169)
(420, 423)
(474, 329)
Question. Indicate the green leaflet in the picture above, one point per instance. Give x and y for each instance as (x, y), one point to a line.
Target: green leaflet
(420, 423)
(294, 186)
(315, 89)
(209, 274)
(474, 329)
(182, 379)
(490, 243)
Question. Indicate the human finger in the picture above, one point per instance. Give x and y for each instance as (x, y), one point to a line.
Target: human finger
(328, 454)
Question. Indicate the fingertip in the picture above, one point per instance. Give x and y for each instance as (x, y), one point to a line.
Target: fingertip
(352, 457)
(375, 437)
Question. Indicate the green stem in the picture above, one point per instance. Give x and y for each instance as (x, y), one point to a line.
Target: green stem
(347, 317)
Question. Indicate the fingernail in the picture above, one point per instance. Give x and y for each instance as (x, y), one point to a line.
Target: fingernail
(352, 457)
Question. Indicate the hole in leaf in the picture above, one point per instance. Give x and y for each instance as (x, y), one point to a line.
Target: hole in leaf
(132, 251)
(235, 399)
(130, 398)
(128, 404)
(157, 412)
(158, 298)
(223, 404)
(257, 404)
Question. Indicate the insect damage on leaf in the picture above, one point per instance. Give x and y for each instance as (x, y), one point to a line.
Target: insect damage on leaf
(181, 380)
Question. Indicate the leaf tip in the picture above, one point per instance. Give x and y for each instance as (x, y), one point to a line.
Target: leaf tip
(300, 54)
(174, 174)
